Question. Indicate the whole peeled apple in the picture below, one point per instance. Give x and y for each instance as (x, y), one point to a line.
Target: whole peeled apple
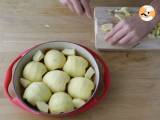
(34, 71)
(60, 102)
(37, 91)
(75, 66)
(80, 87)
(56, 80)
(54, 59)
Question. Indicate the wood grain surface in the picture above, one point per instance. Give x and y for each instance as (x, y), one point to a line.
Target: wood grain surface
(135, 86)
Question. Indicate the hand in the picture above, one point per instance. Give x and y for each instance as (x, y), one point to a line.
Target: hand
(79, 6)
(129, 31)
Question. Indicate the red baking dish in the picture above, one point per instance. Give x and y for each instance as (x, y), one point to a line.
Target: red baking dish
(102, 76)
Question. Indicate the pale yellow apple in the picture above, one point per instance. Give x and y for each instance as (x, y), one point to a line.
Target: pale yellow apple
(60, 102)
(80, 87)
(54, 59)
(56, 80)
(37, 91)
(34, 71)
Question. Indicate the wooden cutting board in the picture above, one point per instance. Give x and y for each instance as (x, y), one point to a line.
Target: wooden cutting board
(103, 16)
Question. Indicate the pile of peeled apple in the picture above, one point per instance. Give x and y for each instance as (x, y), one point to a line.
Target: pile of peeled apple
(57, 81)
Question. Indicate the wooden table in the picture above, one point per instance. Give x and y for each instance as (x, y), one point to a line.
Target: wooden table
(135, 86)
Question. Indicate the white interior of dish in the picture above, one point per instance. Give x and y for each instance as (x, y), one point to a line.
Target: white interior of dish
(53, 45)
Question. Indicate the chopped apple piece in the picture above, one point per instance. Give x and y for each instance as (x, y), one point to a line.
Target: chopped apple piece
(119, 16)
(25, 82)
(69, 52)
(125, 10)
(38, 56)
(90, 72)
(42, 106)
(78, 102)
(107, 27)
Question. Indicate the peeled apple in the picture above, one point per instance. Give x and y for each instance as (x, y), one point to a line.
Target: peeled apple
(90, 72)
(38, 56)
(75, 66)
(123, 10)
(107, 27)
(56, 80)
(60, 102)
(119, 16)
(78, 102)
(80, 87)
(25, 82)
(37, 91)
(34, 71)
(42, 106)
(69, 51)
(54, 59)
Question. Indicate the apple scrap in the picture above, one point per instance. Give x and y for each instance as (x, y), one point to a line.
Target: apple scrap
(60, 83)
(69, 52)
(120, 14)
(90, 72)
(107, 27)
(156, 32)
(38, 56)
(42, 106)
(25, 82)
(78, 102)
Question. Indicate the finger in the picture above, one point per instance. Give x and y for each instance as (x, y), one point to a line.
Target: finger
(87, 8)
(126, 38)
(118, 35)
(77, 6)
(63, 2)
(70, 5)
(133, 41)
(114, 30)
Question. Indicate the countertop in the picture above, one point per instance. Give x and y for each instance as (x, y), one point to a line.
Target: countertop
(135, 86)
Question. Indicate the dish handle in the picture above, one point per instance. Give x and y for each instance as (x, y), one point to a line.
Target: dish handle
(7, 81)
